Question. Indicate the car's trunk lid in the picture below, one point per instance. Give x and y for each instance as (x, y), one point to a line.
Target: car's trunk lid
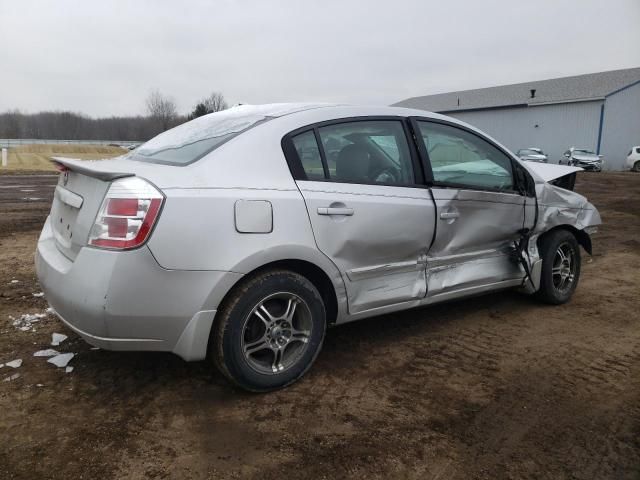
(77, 198)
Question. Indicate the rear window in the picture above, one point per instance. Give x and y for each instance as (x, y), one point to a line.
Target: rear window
(193, 140)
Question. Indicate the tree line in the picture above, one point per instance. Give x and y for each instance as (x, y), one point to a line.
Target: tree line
(161, 114)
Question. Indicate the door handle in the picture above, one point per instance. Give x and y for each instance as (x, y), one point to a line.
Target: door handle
(449, 215)
(347, 212)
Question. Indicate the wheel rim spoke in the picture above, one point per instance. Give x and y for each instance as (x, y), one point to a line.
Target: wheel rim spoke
(256, 346)
(276, 365)
(300, 335)
(291, 310)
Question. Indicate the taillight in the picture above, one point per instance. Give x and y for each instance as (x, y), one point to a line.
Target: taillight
(127, 214)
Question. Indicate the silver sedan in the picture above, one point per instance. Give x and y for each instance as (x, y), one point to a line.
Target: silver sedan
(242, 235)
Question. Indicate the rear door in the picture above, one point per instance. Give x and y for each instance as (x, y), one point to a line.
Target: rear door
(480, 212)
(369, 214)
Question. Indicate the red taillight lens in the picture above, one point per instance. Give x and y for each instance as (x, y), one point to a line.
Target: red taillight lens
(122, 206)
(127, 215)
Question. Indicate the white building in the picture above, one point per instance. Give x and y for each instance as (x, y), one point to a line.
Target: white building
(598, 111)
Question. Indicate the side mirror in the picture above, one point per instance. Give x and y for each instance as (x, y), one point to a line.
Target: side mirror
(600, 156)
(566, 155)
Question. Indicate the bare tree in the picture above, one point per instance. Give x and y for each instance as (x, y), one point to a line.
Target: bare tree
(162, 109)
(213, 103)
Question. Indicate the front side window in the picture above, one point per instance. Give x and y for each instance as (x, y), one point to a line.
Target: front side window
(373, 151)
(460, 158)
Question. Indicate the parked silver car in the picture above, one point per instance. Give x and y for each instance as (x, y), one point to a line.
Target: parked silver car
(584, 158)
(532, 154)
(241, 235)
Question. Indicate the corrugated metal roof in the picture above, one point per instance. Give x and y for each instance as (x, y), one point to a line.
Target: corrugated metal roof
(591, 86)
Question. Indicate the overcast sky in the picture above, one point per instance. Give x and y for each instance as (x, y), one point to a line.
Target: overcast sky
(103, 57)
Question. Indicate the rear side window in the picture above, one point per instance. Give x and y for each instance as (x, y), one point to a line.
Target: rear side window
(309, 155)
(638, 150)
(461, 158)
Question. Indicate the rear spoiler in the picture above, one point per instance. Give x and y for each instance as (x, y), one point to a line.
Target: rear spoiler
(87, 168)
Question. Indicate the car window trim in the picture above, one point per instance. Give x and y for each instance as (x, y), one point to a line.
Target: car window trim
(298, 172)
(426, 161)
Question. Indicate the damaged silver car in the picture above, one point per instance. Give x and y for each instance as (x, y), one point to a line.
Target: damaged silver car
(242, 235)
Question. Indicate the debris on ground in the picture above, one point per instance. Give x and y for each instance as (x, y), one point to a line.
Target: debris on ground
(57, 339)
(68, 370)
(38, 295)
(61, 360)
(14, 281)
(26, 321)
(12, 377)
(49, 352)
(14, 363)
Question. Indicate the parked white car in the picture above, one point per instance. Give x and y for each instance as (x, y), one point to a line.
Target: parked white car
(241, 235)
(633, 159)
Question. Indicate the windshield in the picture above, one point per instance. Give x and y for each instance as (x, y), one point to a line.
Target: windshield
(588, 152)
(191, 141)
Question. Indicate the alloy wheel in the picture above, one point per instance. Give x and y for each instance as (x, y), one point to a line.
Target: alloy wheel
(276, 333)
(564, 267)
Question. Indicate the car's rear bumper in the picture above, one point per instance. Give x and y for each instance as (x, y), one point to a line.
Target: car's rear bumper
(126, 301)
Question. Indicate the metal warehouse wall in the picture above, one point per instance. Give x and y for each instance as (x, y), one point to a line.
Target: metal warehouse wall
(558, 126)
(621, 126)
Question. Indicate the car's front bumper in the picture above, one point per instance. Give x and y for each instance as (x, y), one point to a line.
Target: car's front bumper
(126, 301)
(589, 166)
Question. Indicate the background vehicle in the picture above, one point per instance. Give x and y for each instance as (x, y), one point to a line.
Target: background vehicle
(244, 233)
(532, 154)
(584, 158)
(633, 159)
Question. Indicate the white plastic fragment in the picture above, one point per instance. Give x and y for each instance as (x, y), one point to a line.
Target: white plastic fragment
(61, 360)
(57, 339)
(14, 363)
(39, 385)
(1, 365)
(12, 377)
(14, 281)
(38, 295)
(49, 310)
(95, 348)
(49, 352)
(68, 370)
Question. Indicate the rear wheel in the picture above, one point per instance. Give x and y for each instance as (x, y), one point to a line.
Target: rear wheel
(269, 331)
(560, 267)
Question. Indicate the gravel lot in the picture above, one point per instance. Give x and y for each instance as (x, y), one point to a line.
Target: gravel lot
(491, 387)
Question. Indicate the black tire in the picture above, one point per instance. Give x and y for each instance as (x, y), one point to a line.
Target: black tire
(554, 288)
(239, 322)
(636, 166)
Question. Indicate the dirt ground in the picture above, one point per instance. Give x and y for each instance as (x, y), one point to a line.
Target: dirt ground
(492, 387)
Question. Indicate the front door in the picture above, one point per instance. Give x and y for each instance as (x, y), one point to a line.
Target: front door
(480, 214)
(368, 214)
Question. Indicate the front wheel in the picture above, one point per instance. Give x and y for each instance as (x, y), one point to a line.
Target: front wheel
(560, 267)
(636, 166)
(269, 332)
